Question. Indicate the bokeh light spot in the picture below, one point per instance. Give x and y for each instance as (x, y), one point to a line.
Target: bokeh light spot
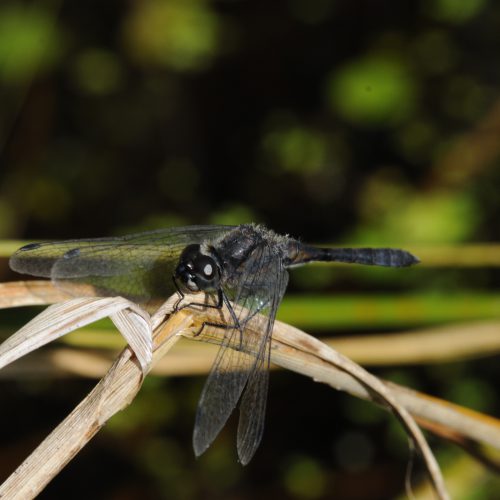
(30, 42)
(455, 11)
(97, 71)
(305, 478)
(296, 149)
(182, 35)
(372, 91)
(233, 214)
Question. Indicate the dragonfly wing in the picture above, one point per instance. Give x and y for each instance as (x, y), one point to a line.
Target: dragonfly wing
(241, 352)
(138, 267)
(253, 402)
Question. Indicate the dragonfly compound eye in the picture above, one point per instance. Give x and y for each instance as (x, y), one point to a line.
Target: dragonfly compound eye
(197, 271)
(206, 272)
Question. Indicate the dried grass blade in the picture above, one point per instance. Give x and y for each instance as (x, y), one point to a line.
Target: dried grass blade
(30, 293)
(303, 343)
(108, 397)
(385, 394)
(135, 326)
(56, 321)
(121, 384)
(112, 394)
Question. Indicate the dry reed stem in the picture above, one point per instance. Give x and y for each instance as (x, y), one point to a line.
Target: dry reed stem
(429, 345)
(113, 393)
(119, 386)
(30, 293)
(291, 348)
(470, 424)
(198, 359)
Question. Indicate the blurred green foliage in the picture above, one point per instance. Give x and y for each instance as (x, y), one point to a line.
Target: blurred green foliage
(368, 123)
(376, 90)
(323, 312)
(30, 42)
(440, 217)
(180, 34)
(456, 11)
(296, 149)
(304, 478)
(97, 71)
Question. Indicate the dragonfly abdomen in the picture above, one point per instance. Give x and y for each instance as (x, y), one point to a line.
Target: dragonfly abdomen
(387, 257)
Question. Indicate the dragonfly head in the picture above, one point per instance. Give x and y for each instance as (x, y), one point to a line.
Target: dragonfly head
(197, 271)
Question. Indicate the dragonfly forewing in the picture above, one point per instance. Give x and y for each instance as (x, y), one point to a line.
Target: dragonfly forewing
(242, 362)
(138, 267)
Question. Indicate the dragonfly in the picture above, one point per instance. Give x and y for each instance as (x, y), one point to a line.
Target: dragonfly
(241, 269)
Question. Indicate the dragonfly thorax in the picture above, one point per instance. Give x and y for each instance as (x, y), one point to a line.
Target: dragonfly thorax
(198, 271)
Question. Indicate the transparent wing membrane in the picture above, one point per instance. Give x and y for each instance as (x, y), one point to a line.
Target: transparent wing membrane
(242, 362)
(254, 400)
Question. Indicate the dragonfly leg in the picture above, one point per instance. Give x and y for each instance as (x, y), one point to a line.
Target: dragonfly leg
(222, 326)
(179, 291)
(233, 316)
(177, 307)
(221, 300)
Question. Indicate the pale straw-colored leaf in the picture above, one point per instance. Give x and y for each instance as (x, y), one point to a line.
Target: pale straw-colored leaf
(59, 319)
(135, 326)
(189, 358)
(306, 344)
(309, 356)
(113, 393)
(30, 293)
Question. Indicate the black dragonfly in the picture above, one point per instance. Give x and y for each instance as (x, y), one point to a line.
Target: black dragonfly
(244, 266)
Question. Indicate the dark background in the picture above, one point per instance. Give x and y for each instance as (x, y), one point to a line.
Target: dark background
(365, 122)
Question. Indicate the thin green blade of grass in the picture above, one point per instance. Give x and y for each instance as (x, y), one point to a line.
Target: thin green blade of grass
(345, 312)
(324, 312)
(8, 247)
